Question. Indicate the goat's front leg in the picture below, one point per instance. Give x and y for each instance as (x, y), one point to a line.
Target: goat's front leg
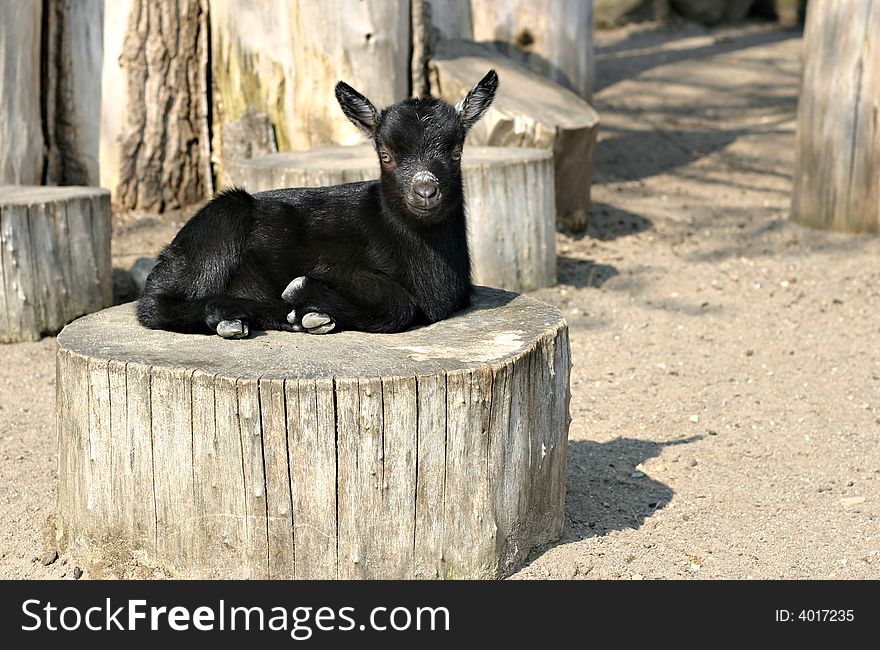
(352, 300)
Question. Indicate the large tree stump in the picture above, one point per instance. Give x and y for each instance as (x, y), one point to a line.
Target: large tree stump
(508, 194)
(21, 132)
(528, 111)
(437, 452)
(54, 258)
(836, 180)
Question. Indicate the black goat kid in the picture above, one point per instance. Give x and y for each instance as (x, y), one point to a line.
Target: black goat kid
(375, 256)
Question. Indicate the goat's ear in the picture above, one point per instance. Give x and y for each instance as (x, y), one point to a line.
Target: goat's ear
(357, 108)
(477, 101)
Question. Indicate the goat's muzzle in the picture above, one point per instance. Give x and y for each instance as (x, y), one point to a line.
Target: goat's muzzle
(424, 192)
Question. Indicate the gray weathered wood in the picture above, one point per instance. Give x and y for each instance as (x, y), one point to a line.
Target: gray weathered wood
(366, 43)
(528, 111)
(508, 193)
(434, 453)
(21, 131)
(552, 37)
(836, 182)
(279, 499)
(54, 258)
(71, 86)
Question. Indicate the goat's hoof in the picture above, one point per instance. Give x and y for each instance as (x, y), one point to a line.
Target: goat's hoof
(317, 323)
(314, 319)
(291, 319)
(323, 329)
(295, 286)
(232, 329)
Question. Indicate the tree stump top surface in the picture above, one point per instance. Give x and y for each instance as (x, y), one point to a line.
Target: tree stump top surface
(498, 327)
(363, 156)
(30, 194)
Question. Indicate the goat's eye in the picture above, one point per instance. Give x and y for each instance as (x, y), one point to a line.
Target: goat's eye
(456, 154)
(385, 157)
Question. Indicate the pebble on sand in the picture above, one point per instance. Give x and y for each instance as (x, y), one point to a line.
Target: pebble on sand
(852, 501)
(49, 558)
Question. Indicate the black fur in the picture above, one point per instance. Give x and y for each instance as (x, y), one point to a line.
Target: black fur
(377, 256)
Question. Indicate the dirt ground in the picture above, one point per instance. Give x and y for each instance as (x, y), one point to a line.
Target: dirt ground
(726, 380)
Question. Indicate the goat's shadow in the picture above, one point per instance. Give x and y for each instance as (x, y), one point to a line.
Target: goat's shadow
(604, 490)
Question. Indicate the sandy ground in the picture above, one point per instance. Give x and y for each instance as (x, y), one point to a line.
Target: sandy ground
(726, 380)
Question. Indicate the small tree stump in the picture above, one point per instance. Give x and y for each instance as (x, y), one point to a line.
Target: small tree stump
(836, 179)
(54, 258)
(436, 452)
(508, 195)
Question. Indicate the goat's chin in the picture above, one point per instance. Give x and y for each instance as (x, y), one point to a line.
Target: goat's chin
(427, 216)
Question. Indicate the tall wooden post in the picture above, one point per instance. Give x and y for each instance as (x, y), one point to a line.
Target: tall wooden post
(837, 166)
(21, 134)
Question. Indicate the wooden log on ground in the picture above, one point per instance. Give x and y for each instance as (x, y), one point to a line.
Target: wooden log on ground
(508, 194)
(155, 148)
(836, 179)
(54, 258)
(528, 111)
(434, 453)
(21, 131)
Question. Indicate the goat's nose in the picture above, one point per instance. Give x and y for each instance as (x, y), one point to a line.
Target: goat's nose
(425, 188)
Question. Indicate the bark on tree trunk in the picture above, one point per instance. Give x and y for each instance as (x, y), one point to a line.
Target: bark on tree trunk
(163, 160)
